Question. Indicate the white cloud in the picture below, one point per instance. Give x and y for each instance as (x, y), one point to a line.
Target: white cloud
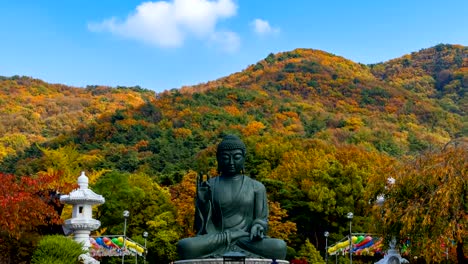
(227, 41)
(262, 27)
(168, 24)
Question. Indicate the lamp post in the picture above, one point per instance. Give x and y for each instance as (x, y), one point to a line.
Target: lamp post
(350, 217)
(126, 214)
(145, 235)
(326, 246)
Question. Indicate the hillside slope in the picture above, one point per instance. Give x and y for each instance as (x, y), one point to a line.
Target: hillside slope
(35, 111)
(302, 93)
(440, 72)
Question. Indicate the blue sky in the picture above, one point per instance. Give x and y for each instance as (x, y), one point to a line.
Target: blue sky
(161, 45)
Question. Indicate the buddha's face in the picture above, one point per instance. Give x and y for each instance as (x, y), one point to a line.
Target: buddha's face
(231, 162)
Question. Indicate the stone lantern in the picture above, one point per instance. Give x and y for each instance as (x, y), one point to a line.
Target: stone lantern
(82, 222)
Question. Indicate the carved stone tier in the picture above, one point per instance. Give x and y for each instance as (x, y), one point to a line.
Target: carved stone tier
(82, 196)
(220, 261)
(82, 224)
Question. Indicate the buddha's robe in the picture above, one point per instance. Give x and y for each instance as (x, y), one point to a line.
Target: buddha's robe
(223, 212)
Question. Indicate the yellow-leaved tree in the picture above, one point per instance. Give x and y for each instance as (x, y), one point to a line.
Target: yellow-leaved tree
(427, 203)
(278, 226)
(183, 197)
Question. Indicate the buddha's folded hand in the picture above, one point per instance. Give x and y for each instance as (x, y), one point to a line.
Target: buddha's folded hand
(257, 232)
(238, 234)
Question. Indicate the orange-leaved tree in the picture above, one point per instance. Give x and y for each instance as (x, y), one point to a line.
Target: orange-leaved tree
(278, 226)
(24, 205)
(427, 202)
(28, 209)
(183, 197)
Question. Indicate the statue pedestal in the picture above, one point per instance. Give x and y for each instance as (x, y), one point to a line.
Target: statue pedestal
(220, 261)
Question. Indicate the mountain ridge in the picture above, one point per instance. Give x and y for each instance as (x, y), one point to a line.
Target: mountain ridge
(304, 91)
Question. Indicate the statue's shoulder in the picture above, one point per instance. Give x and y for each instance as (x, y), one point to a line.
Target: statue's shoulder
(256, 184)
(212, 180)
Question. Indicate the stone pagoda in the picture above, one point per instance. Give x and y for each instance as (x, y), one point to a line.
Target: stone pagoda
(82, 223)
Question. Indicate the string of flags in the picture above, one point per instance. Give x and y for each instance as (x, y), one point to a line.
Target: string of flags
(365, 245)
(108, 246)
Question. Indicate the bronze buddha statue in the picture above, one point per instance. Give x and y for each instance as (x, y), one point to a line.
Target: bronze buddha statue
(231, 212)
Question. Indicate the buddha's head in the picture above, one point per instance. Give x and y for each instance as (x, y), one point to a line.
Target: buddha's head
(230, 155)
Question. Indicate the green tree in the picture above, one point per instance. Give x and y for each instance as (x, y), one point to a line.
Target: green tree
(57, 249)
(310, 253)
(150, 209)
(69, 160)
(325, 182)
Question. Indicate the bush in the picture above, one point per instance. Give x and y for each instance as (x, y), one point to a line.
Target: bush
(310, 254)
(57, 249)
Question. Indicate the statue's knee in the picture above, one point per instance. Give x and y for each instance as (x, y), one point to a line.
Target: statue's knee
(280, 245)
(186, 248)
(184, 245)
(278, 248)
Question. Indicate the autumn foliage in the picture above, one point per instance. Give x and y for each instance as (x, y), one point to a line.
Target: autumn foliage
(323, 134)
(29, 207)
(427, 202)
(183, 196)
(25, 204)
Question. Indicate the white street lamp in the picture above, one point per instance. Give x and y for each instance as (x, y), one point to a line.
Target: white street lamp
(326, 245)
(145, 235)
(350, 217)
(126, 214)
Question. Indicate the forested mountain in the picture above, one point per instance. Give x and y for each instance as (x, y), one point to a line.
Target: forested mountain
(318, 128)
(34, 111)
